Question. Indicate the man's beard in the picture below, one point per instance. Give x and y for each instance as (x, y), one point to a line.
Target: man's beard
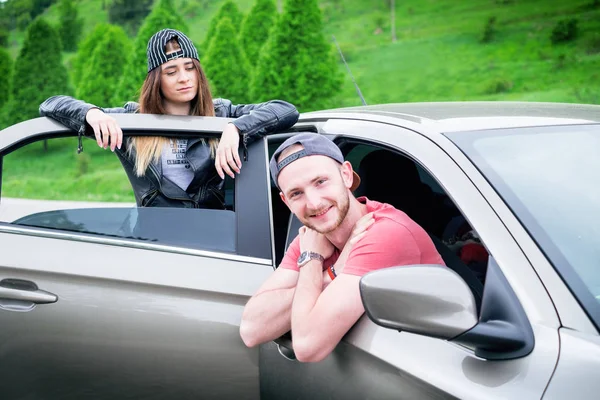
(343, 206)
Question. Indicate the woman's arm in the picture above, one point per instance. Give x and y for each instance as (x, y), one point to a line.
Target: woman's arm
(71, 112)
(66, 110)
(257, 120)
(79, 116)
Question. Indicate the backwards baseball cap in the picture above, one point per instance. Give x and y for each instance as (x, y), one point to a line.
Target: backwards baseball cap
(156, 48)
(313, 145)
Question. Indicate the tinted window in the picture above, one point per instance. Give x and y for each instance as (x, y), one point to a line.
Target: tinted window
(549, 178)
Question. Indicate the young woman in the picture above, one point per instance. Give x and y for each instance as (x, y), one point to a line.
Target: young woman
(176, 172)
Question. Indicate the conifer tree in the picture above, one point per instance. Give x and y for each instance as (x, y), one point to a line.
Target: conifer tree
(4, 35)
(162, 16)
(297, 64)
(39, 69)
(5, 75)
(70, 24)
(129, 14)
(256, 28)
(101, 78)
(226, 66)
(230, 10)
(84, 53)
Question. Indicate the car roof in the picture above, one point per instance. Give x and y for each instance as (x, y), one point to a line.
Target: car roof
(472, 115)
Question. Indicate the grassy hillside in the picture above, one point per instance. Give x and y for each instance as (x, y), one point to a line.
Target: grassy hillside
(438, 56)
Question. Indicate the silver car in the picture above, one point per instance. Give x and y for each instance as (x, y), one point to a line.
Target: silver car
(108, 301)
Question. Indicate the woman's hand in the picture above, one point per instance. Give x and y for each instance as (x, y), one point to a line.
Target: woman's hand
(105, 127)
(227, 158)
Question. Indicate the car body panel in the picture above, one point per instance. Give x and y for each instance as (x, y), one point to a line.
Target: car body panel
(576, 374)
(127, 318)
(473, 115)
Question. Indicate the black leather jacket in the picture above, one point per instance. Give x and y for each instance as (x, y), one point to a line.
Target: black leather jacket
(154, 189)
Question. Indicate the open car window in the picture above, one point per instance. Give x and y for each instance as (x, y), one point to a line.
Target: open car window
(47, 185)
(411, 189)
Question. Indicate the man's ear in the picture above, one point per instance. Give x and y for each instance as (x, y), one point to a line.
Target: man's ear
(347, 175)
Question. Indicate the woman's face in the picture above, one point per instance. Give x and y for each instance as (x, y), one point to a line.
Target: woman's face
(179, 80)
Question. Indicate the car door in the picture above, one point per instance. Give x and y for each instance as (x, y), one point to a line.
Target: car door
(90, 311)
(380, 363)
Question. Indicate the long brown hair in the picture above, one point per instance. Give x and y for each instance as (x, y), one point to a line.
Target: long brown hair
(149, 148)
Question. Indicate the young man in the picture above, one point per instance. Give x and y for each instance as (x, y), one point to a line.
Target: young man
(315, 290)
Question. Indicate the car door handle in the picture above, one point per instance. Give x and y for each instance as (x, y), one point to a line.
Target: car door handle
(285, 347)
(27, 291)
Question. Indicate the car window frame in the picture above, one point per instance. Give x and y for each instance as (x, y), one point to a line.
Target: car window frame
(417, 144)
(252, 213)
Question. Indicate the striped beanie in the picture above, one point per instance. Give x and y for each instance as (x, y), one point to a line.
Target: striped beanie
(156, 48)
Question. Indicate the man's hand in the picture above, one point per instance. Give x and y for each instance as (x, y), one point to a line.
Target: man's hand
(311, 240)
(227, 158)
(105, 127)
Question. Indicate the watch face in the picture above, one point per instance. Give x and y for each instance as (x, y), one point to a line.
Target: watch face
(303, 258)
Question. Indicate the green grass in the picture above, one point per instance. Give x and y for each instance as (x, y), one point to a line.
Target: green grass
(61, 174)
(438, 57)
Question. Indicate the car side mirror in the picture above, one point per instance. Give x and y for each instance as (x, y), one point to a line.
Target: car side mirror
(430, 300)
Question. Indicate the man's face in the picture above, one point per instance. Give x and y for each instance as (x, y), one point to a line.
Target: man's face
(315, 188)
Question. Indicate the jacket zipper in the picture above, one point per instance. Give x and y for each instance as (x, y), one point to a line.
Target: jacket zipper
(155, 172)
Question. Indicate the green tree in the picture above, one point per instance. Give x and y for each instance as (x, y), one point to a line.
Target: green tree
(40, 67)
(230, 10)
(20, 12)
(5, 75)
(70, 24)
(84, 53)
(297, 63)
(256, 28)
(100, 78)
(162, 16)
(39, 6)
(4, 35)
(226, 66)
(129, 14)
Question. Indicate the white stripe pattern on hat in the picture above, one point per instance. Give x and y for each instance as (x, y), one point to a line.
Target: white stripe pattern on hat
(156, 47)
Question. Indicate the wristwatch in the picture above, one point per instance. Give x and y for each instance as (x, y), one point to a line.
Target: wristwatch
(307, 256)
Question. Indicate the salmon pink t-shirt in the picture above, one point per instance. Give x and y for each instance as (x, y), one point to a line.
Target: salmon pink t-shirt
(392, 240)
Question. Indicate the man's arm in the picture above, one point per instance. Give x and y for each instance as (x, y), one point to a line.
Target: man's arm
(267, 314)
(321, 319)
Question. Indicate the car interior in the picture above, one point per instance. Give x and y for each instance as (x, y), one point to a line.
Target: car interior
(391, 177)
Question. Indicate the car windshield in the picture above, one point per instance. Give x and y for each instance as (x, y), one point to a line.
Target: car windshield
(549, 177)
